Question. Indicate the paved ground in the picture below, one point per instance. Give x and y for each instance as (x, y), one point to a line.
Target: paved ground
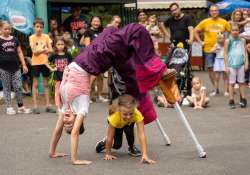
(224, 133)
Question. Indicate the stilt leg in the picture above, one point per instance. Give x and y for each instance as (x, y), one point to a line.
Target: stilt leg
(163, 133)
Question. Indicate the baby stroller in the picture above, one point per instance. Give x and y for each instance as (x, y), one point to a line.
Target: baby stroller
(178, 59)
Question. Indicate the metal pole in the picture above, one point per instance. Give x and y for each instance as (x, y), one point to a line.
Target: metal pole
(164, 135)
(42, 12)
(201, 152)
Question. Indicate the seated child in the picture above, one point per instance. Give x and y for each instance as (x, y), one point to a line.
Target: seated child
(199, 99)
(125, 116)
(160, 99)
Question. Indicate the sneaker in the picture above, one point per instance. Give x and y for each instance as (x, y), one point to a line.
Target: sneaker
(232, 104)
(10, 111)
(100, 146)
(24, 110)
(236, 86)
(50, 109)
(226, 94)
(214, 93)
(185, 102)
(243, 103)
(133, 151)
(36, 111)
(101, 99)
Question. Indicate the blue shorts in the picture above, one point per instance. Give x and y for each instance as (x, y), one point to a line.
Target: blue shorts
(209, 59)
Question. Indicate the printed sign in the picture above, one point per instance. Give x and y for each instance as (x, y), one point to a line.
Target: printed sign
(19, 13)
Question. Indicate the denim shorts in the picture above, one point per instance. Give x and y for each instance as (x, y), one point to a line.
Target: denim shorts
(209, 59)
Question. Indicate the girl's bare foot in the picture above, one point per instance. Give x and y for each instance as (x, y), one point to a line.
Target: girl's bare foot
(81, 162)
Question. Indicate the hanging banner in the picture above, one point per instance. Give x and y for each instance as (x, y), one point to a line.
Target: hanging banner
(20, 13)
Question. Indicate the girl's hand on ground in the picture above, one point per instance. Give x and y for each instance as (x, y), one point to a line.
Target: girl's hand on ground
(147, 160)
(81, 162)
(56, 155)
(109, 157)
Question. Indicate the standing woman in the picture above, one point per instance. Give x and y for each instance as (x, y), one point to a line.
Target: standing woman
(237, 18)
(142, 18)
(92, 32)
(55, 31)
(10, 73)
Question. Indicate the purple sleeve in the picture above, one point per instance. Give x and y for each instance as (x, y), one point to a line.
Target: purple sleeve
(119, 48)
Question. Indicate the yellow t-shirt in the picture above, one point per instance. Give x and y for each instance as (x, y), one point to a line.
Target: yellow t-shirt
(38, 43)
(211, 28)
(116, 120)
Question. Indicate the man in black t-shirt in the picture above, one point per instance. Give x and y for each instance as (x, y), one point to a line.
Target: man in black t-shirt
(179, 26)
(76, 24)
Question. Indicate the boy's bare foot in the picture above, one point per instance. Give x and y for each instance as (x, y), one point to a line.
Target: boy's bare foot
(81, 162)
(168, 74)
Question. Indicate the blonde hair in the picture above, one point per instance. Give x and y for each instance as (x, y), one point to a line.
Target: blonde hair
(3, 22)
(125, 100)
(196, 79)
(234, 12)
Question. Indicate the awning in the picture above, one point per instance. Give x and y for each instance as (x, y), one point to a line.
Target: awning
(164, 4)
(94, 1)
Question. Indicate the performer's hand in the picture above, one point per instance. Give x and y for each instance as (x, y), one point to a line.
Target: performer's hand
(81, 162)
(56, 155)
(109, 157)
(146, 160)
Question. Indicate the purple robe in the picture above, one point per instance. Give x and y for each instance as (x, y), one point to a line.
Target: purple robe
(131, 52)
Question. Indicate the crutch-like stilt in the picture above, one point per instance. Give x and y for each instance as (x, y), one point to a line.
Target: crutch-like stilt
(171, 92)
(163, 133)
(202, 153)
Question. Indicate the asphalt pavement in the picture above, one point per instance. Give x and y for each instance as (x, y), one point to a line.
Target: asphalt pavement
(224, 133)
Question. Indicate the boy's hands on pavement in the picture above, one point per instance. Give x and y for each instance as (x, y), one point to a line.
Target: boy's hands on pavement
(146, 160)
(56, 155)
(109, 157)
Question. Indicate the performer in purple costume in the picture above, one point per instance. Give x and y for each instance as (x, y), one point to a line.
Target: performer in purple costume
(131, 52)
